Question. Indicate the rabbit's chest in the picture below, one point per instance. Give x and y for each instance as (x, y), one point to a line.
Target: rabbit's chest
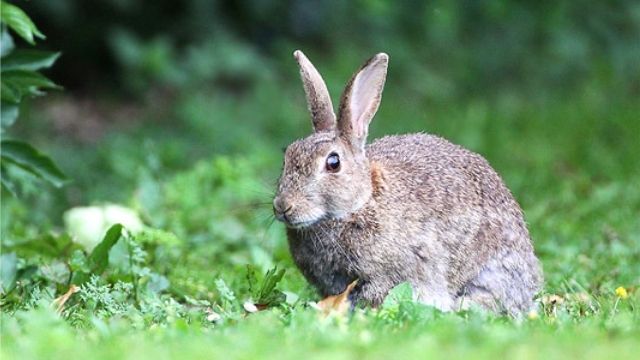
(326, 261)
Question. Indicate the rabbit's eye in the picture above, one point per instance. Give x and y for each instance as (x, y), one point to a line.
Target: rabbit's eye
(333, 163)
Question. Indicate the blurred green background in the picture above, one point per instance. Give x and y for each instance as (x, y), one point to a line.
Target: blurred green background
(180, 110)
(152, 86)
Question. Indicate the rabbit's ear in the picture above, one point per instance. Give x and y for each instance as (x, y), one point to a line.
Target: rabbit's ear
(361, 99)
(318, 98)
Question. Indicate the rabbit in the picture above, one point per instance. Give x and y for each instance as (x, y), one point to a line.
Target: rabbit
(406, 208)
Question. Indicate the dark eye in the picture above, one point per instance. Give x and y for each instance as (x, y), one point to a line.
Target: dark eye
(333, 163)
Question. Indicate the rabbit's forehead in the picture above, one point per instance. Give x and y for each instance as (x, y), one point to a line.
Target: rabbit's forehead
(312, 146)
(303, 157)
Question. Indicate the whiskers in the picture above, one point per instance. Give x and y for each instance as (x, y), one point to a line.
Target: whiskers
(261, 210)
(249, 207)
(267, 223)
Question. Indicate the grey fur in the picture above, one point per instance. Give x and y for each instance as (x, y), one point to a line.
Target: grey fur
(413, 208)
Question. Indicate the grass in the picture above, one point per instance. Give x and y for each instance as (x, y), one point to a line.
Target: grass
(275, 335)
(572, 165)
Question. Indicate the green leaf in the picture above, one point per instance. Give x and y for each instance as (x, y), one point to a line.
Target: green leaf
(8, 115)
(19, 83)
(27, 59)
(401, 293)
(6, 42)
(45, 246)
(26, 273)
(8, 270)
(33, 161)
(252, 278)
(99, 258)
(80, 277)
(7, 184)
(10, 94)
(19, 22)
(268, 294)
(78, 261)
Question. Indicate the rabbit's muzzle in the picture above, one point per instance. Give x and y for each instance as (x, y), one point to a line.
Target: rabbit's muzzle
(282, 209)
(296, 214)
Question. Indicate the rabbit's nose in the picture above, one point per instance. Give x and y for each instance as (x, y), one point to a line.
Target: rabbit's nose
(281, 208)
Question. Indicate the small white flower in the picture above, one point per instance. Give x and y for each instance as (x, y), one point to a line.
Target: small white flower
(214, 317)
(249, 307)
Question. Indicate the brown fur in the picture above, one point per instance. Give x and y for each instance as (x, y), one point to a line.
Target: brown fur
(413, 208)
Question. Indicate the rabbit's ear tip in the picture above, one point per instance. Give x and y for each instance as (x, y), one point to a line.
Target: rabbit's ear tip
(297, 54)
(382, 57)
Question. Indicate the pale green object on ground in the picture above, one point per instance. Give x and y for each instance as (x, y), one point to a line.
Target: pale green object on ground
(88, 224)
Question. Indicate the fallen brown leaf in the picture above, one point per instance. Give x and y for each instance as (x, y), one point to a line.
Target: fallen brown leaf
(60, 301)
(337, 303)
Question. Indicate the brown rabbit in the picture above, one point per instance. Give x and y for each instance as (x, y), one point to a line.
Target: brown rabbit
(412, 208)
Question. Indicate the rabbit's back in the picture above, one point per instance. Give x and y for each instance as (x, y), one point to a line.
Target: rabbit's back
(443, 178)
(455, 199)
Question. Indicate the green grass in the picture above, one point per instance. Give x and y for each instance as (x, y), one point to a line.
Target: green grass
(274, 334)
(572, 165)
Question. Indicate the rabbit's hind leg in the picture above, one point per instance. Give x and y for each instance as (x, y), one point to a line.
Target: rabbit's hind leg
(505, 285)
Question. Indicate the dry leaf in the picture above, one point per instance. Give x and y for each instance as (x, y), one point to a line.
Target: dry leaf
(60, 301)
(337, 303)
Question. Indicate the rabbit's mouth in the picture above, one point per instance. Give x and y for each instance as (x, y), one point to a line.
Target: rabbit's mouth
(301, 224)
(299, 217)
